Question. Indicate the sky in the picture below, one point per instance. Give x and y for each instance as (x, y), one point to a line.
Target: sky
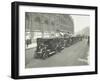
(80, 22)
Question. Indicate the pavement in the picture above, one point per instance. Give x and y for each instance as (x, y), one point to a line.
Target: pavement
(70, 56)
(31, 46)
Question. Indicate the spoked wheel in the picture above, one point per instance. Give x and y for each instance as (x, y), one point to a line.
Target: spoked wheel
(44, 54)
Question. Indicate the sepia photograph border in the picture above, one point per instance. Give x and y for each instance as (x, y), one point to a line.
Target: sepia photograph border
(15, 38)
